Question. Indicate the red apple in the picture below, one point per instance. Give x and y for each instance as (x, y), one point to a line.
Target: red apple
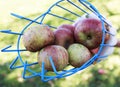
(89, 33)
(59, 56)
(78, 54)
(92, 16)
(84, 16)
(67, 26)
(94, 51)
(37, 37)
(63, 37)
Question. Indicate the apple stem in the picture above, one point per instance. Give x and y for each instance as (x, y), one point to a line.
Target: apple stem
(118, 43)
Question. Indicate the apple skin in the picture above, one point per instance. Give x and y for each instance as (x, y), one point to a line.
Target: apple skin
(93, 16)
(78, 54)
(67, 26)
(37, 37)
(94, 51)
(89, 33)
(63, 37)
(84, 16)
(59, 56)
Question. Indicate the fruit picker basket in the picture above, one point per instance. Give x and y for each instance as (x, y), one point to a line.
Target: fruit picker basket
(74, 9)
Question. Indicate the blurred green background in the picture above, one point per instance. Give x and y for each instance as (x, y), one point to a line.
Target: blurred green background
(89, 77)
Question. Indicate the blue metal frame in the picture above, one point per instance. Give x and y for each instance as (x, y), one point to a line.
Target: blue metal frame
(60, 74)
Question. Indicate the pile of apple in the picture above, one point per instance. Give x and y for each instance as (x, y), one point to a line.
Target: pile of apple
(67, 45)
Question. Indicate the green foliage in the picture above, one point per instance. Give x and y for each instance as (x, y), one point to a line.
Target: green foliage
(87, 78)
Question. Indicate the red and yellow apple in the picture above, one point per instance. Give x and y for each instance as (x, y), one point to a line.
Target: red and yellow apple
(67, 26)
(89, 32)
(59, 56)
(37, 37)
(78, 54)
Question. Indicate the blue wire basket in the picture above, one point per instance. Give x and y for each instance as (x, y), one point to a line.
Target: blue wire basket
(83, 7)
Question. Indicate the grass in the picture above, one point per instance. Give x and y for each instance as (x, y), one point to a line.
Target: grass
(31, 8)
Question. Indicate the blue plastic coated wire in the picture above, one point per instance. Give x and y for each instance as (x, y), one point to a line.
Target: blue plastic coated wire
(28, 19)
(61, 17)
(77, 7)
(10, 32)
(57, 74)
(68, 10)
(11, 50)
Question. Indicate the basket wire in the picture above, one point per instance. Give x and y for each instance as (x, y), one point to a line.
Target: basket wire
(64, 73)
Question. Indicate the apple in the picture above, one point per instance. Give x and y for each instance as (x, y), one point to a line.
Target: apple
(107, 37)
(94, 51)
(107, 50)
(93, 16)
(63, 37)
(78, 54)
(59, 56)
(67, 26)
(89, 33)
(84, 16)
(37, 37)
